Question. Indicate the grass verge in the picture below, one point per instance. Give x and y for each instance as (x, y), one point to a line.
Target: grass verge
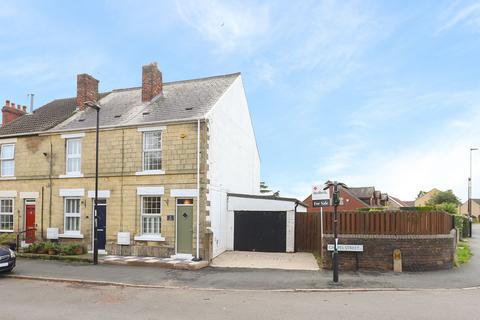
(463, 253)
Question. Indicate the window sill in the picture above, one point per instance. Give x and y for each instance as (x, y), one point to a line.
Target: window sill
(151, 172)
(6, 231)
(8, 178)
(63, 176)
(71, 236)
(149, 238)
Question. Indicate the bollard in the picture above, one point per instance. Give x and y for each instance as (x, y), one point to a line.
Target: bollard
(397, 260)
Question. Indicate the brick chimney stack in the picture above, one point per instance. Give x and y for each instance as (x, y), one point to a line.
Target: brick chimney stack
(87, 89)
(11, 112)
(152, 84)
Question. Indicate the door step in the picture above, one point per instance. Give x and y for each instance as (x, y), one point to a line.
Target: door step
(182, 256)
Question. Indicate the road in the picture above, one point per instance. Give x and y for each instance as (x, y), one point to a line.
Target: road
(29, 299)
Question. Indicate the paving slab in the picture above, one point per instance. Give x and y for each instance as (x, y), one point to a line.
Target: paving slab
(266, 260)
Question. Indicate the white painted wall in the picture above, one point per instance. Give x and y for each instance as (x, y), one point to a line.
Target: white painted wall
(234, 162)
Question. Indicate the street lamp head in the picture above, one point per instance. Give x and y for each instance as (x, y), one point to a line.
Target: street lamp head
(473, 149)
(92, 105)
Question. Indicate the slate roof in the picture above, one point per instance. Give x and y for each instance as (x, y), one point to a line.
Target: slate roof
(181, 100)
(399, 202)
(362, 192)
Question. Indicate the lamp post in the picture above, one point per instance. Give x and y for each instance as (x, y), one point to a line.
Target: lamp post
(470, 195)
(95, 106)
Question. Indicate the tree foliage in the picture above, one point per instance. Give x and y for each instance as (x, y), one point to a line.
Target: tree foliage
(449, 207)
(444, 197)
(265, 189)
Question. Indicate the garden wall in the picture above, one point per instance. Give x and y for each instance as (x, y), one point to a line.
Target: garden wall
(419, 252)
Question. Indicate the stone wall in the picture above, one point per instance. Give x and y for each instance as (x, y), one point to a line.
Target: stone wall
(40, 169)
(419, 253)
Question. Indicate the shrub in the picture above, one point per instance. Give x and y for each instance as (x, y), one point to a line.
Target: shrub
(449, 207)
(8, 239)
(461, 224)
(424, 208)
(72, 249)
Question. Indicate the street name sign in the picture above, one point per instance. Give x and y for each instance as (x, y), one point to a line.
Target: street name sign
(347, 247)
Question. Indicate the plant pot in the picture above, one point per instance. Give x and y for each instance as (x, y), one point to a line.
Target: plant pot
(42, 251)
(78, 251)
(52, 252)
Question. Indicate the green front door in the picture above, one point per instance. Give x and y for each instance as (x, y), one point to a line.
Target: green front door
(184, 229)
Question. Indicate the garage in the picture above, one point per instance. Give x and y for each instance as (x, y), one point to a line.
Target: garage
(261, 223)
(263, 231)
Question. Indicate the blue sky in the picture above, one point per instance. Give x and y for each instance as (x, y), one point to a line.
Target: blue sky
(382, 93)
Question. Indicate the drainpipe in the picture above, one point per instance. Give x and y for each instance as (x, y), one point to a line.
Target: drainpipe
(198, 190)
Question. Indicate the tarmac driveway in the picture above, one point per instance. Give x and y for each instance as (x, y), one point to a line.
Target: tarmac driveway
(266, 260)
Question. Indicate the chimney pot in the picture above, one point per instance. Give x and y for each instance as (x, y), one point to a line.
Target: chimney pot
(11, 111)
(152, 84)
(87, 89)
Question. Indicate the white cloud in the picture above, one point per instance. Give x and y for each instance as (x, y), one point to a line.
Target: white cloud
(436, 157)
(467, 14)
(229, 26)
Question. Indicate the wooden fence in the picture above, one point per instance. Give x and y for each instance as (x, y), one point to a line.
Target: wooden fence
(308, 225)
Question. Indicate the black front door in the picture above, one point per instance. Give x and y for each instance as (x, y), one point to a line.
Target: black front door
(260, 231)
(102, 224)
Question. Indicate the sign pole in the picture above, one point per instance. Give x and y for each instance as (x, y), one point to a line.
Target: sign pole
(321, 232)
(335, 233)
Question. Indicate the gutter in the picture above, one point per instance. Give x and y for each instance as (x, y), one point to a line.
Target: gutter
(112, 127)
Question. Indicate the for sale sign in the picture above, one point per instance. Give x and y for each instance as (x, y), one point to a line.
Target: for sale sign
(320, 197)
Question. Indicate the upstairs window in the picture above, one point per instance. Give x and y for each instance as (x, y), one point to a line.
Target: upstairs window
(74, 156)
(7, 160)
(6, 215)
(152, 150)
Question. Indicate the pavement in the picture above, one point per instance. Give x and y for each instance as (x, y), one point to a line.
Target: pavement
(58, 301)
(266, 260)
(171, 263)
(466, 276)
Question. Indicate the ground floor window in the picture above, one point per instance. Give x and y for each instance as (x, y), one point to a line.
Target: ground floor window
(6, 214)
(72, 215)
(151, 215)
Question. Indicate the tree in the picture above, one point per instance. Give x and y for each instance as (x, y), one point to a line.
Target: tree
(265, 189)
(443, 197)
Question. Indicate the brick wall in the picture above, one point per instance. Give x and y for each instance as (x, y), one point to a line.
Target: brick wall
(349, 203)
(419, 253)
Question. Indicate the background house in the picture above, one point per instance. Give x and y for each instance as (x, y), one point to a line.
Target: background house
(475, 208)
(424, 197)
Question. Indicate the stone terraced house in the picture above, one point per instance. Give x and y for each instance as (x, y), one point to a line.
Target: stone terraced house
(169, 155)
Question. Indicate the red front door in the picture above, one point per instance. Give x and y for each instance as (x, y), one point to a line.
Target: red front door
(30, 223)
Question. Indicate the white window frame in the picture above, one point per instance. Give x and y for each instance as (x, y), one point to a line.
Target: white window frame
(144, 151)
(8, 214)
(72, 215)
(150, 215)
(73, 156)
(2, 160)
